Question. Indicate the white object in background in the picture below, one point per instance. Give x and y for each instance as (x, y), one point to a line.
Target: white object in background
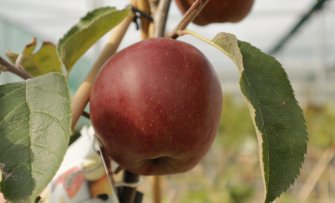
(82, 177)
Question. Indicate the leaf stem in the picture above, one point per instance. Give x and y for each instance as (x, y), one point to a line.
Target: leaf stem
(17, 71)
(80, 99)
(202, 38)
(189, 16)
(209, 42)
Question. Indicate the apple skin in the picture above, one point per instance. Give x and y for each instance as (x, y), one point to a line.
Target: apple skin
(156, 106)
(2, 199)
(219, 11)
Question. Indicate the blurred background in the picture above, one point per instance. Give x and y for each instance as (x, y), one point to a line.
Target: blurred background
(299, 33)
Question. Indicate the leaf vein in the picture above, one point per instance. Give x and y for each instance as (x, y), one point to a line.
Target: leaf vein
(12, 110)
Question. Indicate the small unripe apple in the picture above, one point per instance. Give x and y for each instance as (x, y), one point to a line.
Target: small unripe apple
(219, 11)
(156, 106)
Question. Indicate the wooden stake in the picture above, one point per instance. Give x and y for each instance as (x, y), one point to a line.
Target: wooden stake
(144, 6)
(156, 188)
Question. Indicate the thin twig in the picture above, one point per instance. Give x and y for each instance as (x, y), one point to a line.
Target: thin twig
(17, 71)
(80, 99)
(189, 16)
(161, 18)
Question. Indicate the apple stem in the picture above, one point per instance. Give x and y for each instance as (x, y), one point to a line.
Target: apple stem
(189, 16)
(129, 193)
(161, 18)
(80, 99)
(6, 66)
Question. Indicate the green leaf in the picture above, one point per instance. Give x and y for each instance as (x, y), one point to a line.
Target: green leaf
(278, 119)
(34, 134)
(86, 32)
(43, 61)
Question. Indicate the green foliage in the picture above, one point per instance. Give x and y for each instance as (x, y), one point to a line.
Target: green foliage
(37, 63)
(34, 133)
(87, 31)
(35, 114)
(235, 124)
(240, 193)
(278, 119)
(229, 173)
(221, 177)
(320, 121)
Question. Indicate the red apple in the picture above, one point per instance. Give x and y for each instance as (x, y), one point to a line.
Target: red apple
(2, 199)
(219, 11)
(156, 106)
